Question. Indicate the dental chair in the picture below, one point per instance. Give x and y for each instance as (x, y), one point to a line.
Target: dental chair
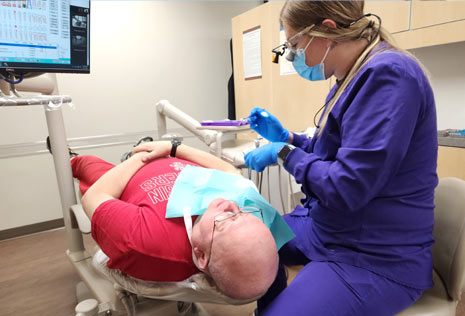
(448, 253)
(104, 291)
(139, 297)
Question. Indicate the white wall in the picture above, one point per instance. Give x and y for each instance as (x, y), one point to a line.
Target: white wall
(141, 51)
(144, 51)
(446, 63)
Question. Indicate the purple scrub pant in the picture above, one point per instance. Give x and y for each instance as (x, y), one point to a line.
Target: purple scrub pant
(331, 288)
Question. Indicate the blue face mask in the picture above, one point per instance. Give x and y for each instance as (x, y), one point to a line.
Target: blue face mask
(314, 73)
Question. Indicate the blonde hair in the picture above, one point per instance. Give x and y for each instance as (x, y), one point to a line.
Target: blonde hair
(301, 14)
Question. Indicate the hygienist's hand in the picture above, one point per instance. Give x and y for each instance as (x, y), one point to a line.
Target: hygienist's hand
(263, 156)
(267, 125)
(153, 150)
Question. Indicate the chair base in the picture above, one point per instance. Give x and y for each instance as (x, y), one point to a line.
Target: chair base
(150, 307)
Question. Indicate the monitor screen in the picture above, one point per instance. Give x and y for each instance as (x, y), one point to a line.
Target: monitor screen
(44, 36)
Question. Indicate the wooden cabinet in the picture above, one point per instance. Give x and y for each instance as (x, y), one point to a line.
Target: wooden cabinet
(395, 15)
(256, 92)
(433, 23)
(293, 99)
(433, 35)
(451, 162)
(430, 13)
(296, 101)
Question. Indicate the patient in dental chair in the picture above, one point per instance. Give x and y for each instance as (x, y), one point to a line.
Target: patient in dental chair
(127, 204)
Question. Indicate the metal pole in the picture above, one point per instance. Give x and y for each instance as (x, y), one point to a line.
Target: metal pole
(59, 146)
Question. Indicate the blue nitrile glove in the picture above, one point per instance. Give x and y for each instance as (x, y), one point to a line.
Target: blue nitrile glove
(263, 156)
(267, 125)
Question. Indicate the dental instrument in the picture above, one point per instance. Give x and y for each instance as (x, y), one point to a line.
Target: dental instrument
(240, 122)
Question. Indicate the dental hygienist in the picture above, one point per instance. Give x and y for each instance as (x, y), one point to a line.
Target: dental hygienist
(364, 232)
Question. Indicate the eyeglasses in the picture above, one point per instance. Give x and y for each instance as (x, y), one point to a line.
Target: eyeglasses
(281, 49)
(225, 217)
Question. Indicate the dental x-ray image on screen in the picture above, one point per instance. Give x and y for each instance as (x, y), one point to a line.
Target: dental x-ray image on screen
(44, 36)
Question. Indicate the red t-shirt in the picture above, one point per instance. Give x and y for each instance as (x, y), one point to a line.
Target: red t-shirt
(134, 233)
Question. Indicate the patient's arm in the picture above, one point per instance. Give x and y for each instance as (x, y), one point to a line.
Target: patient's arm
(163, 148)
(111, 185)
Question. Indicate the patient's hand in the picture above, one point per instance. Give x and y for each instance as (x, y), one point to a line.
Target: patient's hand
(153, 150)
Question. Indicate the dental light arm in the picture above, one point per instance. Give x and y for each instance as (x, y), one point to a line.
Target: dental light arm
(231, 150)
(166, 109)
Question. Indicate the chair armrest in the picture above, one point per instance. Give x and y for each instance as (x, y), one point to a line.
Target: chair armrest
(81, 218)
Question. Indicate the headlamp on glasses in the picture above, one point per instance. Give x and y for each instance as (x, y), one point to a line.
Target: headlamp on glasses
(278, 51)
(281, 49)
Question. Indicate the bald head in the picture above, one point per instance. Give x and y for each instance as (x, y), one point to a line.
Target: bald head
(239, 253)
(244, 259)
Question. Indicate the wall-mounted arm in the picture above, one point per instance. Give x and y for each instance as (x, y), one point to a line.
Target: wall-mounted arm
(166, 109)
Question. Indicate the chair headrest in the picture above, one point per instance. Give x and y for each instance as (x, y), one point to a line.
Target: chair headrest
(197, 288)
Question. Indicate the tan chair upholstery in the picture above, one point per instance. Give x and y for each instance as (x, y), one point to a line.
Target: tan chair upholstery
(448, 252)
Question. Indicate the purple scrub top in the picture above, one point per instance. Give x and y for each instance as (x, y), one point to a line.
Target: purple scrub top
(369, 178)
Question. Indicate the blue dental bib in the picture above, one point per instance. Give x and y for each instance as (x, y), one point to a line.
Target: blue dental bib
(196, 187)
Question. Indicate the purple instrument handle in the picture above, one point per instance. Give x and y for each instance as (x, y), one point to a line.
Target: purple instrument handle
(225, 123)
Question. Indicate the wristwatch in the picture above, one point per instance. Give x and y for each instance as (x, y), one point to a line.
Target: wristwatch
(283, 153)
(175, 142)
